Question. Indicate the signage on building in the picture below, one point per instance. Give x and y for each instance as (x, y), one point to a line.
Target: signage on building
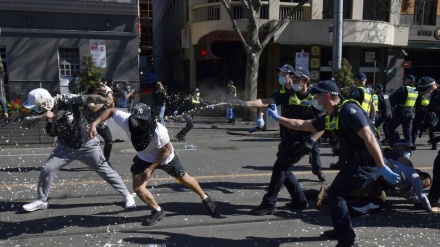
(370, 56)
(185, 39)
(302, 60)
(98, 52)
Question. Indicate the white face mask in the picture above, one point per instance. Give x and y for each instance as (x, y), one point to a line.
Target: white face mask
(406, 154)
(427, 95)
(197, 94)
(317, 105)
(297, 87)
(282, 80)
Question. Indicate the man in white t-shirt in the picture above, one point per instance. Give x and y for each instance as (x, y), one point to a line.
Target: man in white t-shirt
(154, 150)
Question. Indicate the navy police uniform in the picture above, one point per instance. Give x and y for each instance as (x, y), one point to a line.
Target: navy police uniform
(290, 141)
(360, 173)
(403, 102)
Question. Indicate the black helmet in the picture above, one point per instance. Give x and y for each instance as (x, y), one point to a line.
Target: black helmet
(195, 90)
(230, 82)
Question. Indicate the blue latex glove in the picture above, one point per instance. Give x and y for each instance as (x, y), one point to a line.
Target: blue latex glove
(175, 113)
(272, 112)
(260, 122)
(388, 175)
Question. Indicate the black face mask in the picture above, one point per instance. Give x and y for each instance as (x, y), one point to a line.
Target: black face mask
(141, 132)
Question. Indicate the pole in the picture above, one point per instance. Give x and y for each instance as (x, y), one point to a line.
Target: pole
(2, 76)
(337, 34)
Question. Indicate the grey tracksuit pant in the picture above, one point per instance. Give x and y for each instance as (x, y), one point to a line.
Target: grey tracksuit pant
(90, 154)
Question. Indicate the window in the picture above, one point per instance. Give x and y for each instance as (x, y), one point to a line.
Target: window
(327, 12)
(425, 12)
(69, 62)
(376, 10)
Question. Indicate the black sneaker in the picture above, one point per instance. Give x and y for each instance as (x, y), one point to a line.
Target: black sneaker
(319, 174)
(209, 204)
(330, 234)
(351, 245)
(154, 217)
(336, 166)
(180, 138)
(263, 210)
(297, 207)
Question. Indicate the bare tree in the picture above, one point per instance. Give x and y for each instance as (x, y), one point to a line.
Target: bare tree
(252, 44)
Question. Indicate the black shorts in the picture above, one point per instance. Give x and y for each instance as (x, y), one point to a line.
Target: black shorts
(174, 168)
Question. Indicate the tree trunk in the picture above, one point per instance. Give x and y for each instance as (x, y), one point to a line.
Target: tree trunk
(251, 84)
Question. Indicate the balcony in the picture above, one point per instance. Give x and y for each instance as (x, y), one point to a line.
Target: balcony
(209, 17)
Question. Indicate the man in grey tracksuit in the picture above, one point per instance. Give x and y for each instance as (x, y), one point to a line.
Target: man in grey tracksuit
(65, 120)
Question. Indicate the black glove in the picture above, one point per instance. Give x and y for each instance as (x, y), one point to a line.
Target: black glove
(238, 102)
(302, 150)
(434, 140)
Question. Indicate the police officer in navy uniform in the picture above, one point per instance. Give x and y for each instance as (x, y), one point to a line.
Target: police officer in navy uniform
(189, 107)
(432, 91)
(295, 100)
(346, 121)
(403, 101)
(423, 118)
(364, 96)
(384, 110)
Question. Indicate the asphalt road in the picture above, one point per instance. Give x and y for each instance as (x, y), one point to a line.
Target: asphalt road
(231, 167)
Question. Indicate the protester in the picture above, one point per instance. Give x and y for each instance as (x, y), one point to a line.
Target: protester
(127, 96)
(65, 120)
(92, 111)
(154, 151)
(4, 108)
(159, 101)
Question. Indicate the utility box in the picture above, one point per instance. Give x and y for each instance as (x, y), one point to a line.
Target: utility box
(269, 123)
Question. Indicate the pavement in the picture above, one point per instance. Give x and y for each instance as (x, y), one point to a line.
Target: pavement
(231, 165)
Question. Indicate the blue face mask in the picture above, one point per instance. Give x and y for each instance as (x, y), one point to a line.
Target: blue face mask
(128, 88)
(282, 80)
(317, 105)
(36, 109)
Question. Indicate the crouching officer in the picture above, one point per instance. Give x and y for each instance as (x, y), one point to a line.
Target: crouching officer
(345, 120)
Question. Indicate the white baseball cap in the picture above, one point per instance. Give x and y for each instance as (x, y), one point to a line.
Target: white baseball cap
(37, 97)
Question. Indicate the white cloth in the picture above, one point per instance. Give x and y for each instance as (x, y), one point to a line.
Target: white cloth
(160, 138)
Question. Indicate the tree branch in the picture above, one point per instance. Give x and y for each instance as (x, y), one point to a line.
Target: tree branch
(234, 23)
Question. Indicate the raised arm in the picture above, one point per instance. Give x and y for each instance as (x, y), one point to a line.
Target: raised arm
(104, 116)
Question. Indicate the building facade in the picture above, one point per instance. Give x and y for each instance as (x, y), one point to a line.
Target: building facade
(42, 42)
(195, 44)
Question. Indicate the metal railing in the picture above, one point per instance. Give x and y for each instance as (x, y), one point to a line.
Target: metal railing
(211, 11)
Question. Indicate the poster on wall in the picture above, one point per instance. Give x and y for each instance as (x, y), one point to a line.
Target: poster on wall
(98, 52)
(302, 60)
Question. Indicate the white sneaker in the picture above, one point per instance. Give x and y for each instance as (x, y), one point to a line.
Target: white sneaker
(35, 205)
(129, 201)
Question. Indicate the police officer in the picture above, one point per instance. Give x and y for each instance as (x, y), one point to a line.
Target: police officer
(346, 121)
(424, 119)
(403, 101)
(364, 96)
(188, 109)
(384, 110)
(429, 89)
(295, 99)
(232, 94)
